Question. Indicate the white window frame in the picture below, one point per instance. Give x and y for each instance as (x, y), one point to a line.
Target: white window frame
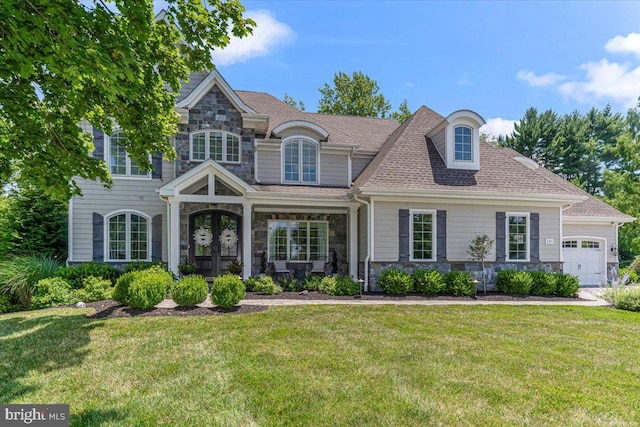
(527, 239)
(470, 144)
(289, 222)
(207, 146)
(128, 212)
(301, 139)
(434, 219)
(127, 174)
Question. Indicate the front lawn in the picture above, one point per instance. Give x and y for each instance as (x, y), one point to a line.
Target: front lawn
(331, 365)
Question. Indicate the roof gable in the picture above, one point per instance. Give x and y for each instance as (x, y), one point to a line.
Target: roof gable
(213, 79)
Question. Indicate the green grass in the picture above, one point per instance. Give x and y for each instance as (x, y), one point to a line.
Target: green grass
(324, 365)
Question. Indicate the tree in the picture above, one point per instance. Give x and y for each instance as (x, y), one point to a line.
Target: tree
(403, 112)
(353, 96)
(295, 104)
(533, 135)
(479, 250)
(61, 62)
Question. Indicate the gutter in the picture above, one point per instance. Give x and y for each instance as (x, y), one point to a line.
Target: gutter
(369, 227)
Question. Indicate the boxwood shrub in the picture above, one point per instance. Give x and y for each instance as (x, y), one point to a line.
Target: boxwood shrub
(52, 292)
(543, 283)
(394, 281)
(339, 285)
(566, 285)
(143, 289)
(76, 274)
(121, 290)
(428, 282)
(227, 290)
(190, 290)
(514, 282)
(94, 289)
(266, 285)
(628, 299)
(459, 284)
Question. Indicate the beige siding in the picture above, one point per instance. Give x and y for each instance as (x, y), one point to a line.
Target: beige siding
(334, 170)
(463, 222)
(358, 164)
(269, 167)
(362, 232)
(605, 231)
(440, 143)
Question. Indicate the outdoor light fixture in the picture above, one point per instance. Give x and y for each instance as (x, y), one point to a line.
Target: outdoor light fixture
(614, 249)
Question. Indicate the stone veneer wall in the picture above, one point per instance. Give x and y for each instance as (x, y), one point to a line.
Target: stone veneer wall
(215, 112)
(337, 241)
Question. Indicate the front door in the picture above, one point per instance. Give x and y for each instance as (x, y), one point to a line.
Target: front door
(214, 241)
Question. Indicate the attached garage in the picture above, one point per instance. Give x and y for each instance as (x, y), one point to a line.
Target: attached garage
(586, 258)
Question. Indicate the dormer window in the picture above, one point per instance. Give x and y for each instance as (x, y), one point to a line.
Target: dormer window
(463, 143)
(221, 146)
(300, 162)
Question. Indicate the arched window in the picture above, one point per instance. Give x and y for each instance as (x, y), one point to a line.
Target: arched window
(119, 161)
(462, 140)
(221, 146)
(300, 159)
(128, 236)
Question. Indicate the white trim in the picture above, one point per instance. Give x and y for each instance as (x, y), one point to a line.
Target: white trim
(300, 124)
(128, 213)
(527, 239)
(605, 249)
(174, 230)
(471, 148)
(434, 219)
(207, 146)
(372, 231)
(127, 175)
(350, 169)
(595, 219)
(321, 210)
(205, 86)
(352, 248)
(208, 166)
(467, 114)
(288, 222)
(561, 236)
(247, 240)
(70, 231)
(401, 195)
(301, 140)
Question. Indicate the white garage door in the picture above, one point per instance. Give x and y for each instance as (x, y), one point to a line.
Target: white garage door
(584, 258)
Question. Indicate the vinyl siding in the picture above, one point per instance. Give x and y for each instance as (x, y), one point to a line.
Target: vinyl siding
(440, 143)
(358, 164)
(362, 232)
(269, 167)
(605, 231)
(334, 170)
(464, 221)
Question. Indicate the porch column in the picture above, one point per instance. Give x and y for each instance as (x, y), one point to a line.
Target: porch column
(353, 241)
(174, 236)
(247, 241)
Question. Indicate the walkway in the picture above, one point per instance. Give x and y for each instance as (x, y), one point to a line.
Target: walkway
(585, 298)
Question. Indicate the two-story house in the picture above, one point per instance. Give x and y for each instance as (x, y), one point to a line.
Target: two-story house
(259, 181)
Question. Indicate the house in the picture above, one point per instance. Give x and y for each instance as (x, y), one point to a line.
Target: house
(258, 181)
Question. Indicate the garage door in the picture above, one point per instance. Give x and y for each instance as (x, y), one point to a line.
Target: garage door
(584, 258)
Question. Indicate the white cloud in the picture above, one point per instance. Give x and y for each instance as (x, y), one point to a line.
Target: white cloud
(498, 126)
(267, 34)
(622, 44)
(605, 80)
(543, 80)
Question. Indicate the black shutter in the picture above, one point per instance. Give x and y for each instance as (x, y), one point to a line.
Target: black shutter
(501, 237)
(156, 162)
(98, 237)
(534, 228)
(441, 230)
(156, 238)
(98, 144)
(403, 233)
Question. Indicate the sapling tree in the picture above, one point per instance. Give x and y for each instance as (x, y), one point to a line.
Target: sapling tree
(479, 250)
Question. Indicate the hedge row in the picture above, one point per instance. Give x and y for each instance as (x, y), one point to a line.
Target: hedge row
(427, 282)
(537, 283)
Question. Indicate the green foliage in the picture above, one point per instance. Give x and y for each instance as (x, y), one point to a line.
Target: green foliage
(394, 281)
(566, 285)
(428, 282)
(295, 104)
(403, 113)
(20, 274)
(291, 285)
(312, 283)
(543, 283)
(628, 299)
(227, 290)
(121, 290)
(633, 276)
(9, 304)
(250, 283)
(480, 248)
(148, 288)
(514, 282)
(235, 267)
(459, 284)
(31, 222)
(76, 274)
(266, 285)
(52, 292)
(66, 61)
(339, 285)
(187, 268)
(145, 265)
(94, 289)
(190, 290)
(353, 96)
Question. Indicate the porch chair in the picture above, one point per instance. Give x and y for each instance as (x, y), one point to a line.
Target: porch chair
(318, 266)
(280, 267)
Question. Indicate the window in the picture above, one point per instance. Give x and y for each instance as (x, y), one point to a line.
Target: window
(128, 237)
(298, 240)
(570, 244)
(422, 232)
(300, 161)
(462, 141)
(518, 232)
(587, 244)
(119, 161)
(221, 146)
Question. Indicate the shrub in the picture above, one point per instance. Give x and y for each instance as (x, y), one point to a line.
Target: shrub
(94, 289)
(190, 290)
(235, 267)
(76, 274)
(148, 288)
(121, 291)
(228, 290)
(291, 285)
(459, 284)
(566, 285)
(514, 282)
(327, 285)
(9, 304)
(635, 265)
(543, 283)
(628, 299)
(633, 276)
(312, 283)
(503, 280)
(19, 275)
(265, 285)
(428, 282)
(250, 283)
(52, 292)
(339, 285)
(145, 265)
(394, 281)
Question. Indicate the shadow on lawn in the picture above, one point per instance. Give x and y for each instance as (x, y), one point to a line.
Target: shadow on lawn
(96, 417)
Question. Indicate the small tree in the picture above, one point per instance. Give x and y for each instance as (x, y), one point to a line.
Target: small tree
(479, 249)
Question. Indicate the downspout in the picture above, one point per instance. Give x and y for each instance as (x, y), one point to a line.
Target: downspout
(369, 227)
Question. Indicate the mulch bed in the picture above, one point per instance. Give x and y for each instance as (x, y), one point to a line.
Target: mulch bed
(489, 296)
(110, 309)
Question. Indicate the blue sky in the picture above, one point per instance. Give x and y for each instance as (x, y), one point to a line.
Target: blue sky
(496, 58)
